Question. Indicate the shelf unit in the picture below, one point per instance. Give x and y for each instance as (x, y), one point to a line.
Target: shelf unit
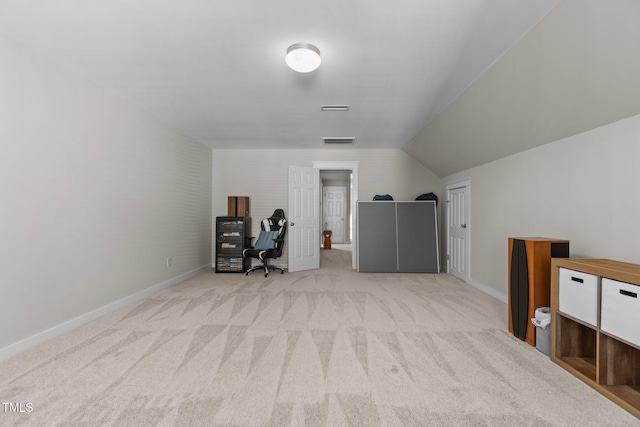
(607, 363)
(232, 237)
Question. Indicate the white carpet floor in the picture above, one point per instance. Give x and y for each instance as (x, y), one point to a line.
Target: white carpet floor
(329, 347)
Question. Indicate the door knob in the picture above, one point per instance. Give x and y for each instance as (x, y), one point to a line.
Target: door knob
(464, 226)
(293, 223)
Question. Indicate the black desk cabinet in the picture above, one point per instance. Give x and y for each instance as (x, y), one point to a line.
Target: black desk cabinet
(232, 237)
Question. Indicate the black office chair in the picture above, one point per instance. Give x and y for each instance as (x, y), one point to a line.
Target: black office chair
(270, 242)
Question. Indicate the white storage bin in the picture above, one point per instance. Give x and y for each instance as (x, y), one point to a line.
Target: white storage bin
(620, 315)
(578, 295)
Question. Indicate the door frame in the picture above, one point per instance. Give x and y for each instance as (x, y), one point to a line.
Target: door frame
(323, 206)
(353, 167)
(464, 182)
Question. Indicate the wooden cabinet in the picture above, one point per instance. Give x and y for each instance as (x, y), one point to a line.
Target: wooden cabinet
(238, 206)
(606, 362)
(529, 280)
(232, 237)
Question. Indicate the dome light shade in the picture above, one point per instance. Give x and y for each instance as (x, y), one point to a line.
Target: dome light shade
(303, 57)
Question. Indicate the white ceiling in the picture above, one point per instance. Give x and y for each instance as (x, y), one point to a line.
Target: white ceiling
(215, 70)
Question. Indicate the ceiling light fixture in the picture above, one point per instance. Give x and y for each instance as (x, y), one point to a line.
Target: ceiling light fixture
(303, 57)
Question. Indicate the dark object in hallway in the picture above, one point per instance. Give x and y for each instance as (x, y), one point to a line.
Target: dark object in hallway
(327, 239)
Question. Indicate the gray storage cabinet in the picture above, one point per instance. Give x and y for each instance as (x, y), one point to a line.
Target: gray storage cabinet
(397, 237)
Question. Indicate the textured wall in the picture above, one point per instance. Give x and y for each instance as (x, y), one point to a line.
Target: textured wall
(583, 188)
(262, 175)
(95, 197)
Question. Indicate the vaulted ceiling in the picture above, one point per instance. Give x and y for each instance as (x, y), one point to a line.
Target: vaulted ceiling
(215, 70)
(575, 71)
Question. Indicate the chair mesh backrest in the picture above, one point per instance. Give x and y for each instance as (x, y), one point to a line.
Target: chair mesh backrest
(276, 222)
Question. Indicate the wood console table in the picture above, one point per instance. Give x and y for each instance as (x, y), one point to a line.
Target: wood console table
(595, 333)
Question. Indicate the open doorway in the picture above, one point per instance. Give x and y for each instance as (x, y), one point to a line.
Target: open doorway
(336, 176)
(335, 204)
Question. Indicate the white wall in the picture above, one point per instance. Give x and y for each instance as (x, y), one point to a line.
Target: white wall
(95, 196)
(584, 188)
(262, 175)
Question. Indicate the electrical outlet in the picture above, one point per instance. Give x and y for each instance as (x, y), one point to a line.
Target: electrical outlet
(169, 262)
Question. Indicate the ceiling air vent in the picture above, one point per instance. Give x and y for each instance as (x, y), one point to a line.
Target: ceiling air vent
(338, 139)
(334, 107)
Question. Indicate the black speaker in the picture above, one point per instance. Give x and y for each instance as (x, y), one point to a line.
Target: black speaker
(530, 280)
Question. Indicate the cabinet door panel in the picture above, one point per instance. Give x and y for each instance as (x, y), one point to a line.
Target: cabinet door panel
(417, 237)
(377, 247)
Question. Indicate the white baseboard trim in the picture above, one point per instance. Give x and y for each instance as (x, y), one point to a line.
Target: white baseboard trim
(489, 291)
(27, 343)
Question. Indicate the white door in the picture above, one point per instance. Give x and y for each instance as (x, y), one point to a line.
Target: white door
(304, 222)
(458, 216)
(335, 212)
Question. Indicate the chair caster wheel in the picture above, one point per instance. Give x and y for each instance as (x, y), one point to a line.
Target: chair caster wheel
(266, 274)
(282, 272)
